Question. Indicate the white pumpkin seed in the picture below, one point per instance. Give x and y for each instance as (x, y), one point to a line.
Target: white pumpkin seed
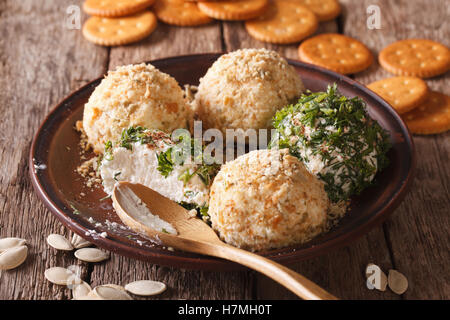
(372, 272)
(61, 276)
(7, 243)
(110, 292)
(59, 242)
(145, 287)
(13, 257)
(78, 242)
(81, 290)
(91, 255)
(114, 286)
(397, 282)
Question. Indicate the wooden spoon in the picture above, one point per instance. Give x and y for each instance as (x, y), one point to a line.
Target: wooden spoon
(194, 235)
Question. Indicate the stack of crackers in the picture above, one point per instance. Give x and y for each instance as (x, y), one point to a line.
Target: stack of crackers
(412, 60)
(424, 111)
(115, 22)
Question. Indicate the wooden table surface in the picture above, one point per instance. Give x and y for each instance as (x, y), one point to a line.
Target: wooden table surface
(42, 61)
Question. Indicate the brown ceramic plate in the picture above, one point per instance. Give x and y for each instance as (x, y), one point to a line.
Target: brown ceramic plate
(59, 186)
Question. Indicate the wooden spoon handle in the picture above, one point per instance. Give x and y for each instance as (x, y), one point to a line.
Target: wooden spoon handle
(293, 281)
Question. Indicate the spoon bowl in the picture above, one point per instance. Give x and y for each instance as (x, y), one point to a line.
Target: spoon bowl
(194, 235)
(188, 226)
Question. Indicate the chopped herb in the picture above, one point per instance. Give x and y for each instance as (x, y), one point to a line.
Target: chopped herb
(206, 172)
(75, 210)
(187, 205)
(99, 163)
(116, 175)
(108, 151)
(337, 131)
(165, 164)
(135, 134)
(164, 230)
(204, 211)
(186, 176)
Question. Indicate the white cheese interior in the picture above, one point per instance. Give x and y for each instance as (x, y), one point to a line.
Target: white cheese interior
(136, 209)
(140, 164)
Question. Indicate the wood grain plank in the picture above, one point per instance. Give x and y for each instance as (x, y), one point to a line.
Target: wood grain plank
(41, 61)
(169, 41)
(236, 37)
(342, 271)
(418, 231)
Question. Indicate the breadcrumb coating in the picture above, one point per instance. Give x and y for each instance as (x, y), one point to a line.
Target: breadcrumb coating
(134, 95)
(267, 199)
(243, 89)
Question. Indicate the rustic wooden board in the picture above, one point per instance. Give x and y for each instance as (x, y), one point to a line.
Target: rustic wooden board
(40, 62)
(169, 41)
(418, 230)
(236, 37)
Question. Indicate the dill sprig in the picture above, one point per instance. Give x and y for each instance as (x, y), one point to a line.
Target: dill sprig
(135, 134)
(336, 125)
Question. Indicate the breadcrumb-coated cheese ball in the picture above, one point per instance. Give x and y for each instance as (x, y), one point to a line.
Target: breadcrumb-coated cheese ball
(267, 199)
(243, 89)
(133, 95)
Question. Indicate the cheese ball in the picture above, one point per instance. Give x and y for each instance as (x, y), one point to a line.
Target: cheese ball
(243, 89)
(267, 199)
(133, 95)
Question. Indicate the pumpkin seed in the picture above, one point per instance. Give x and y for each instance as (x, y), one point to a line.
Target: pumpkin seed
(61, 276)
(91, 255)
(7, 243)
(59, 242)
(81, 290)
(78, 242)
(114, 286)
(13, 257)
(145, 287)
(372, 270)
(110, 292)
(397, 282)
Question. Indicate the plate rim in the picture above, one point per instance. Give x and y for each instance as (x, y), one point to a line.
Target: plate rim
(211, 263)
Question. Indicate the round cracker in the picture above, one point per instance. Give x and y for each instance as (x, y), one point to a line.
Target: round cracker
(324, 9)
(115, 8)
(415, 57)
(283, 22)
(402, 93)
(234, 10)
(336, 52)
(119, 31)
(433, 116)
(180, 13)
